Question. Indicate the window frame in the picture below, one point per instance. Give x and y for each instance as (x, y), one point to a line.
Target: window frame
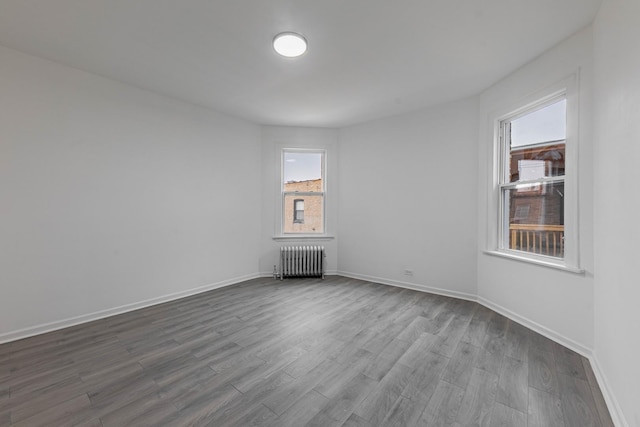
(567, 89)
(506, 184)
(322, 193)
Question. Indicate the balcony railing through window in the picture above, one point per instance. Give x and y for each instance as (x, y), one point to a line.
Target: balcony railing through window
(539, 239)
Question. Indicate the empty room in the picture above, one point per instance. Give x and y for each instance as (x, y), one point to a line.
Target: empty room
(332, 213)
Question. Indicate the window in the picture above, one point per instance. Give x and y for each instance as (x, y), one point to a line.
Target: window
(303, 188)
(532, 179)
(298, 211)
(533, 188)
(533, 192)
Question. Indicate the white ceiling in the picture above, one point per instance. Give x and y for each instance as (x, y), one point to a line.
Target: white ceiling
(366, 59)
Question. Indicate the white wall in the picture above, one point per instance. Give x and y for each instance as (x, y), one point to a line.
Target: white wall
(408, 199)
(111, 195)
(274, 139)
(556, 302)
(617, 201)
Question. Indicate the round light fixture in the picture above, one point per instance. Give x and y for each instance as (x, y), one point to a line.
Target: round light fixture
(289, 44)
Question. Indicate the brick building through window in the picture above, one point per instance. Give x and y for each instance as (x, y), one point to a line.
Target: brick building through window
(303, 212)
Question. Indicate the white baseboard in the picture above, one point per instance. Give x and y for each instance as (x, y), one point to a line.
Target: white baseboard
(89, 317)
(407, 285)
(559, 338)
(615, 411)
(535, 326)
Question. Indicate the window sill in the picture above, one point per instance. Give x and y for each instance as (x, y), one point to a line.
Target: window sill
(298, 237)
(558, 265)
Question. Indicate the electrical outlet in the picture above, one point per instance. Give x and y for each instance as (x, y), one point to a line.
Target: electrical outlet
(408, 272)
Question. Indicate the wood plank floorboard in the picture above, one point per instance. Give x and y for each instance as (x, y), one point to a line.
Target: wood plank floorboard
(333, 352)
(513, 387)
(544, 409)
(542, 372)
(442, 409)
(504, 416)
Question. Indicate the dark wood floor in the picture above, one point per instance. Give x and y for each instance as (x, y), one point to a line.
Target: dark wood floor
(338, 352)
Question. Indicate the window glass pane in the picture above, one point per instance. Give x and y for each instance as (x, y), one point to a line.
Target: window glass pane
(536, 218)
(310, 220)
(301, 167)
(529, 163)
(544, 125)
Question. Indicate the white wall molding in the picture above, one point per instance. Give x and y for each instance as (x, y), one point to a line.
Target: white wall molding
(617, 416)
(407, 285)
(89, 317)
(537, 327)
(552, 335)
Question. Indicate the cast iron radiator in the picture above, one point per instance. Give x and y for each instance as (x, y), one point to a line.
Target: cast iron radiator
(302, 261)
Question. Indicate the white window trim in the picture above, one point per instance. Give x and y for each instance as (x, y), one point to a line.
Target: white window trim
(568, 88)
(280, 211)
(305, 237)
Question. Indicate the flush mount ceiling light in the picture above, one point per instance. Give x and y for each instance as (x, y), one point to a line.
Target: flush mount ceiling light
(289, 44)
